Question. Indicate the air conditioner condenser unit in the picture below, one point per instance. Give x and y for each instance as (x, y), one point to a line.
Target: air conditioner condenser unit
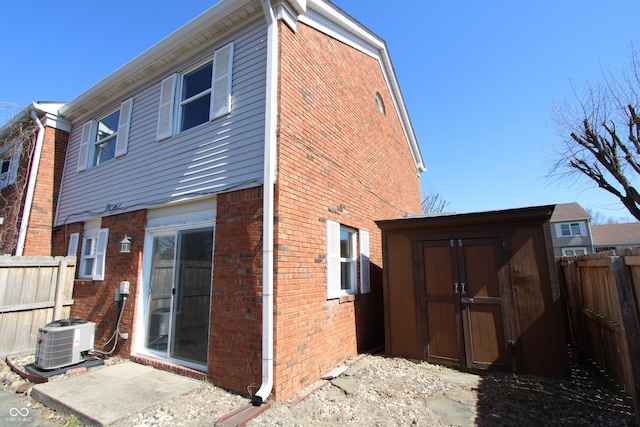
(62, 342)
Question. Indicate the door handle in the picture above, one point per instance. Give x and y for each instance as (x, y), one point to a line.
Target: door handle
(455, 287)
(464, 288)
(466, 300)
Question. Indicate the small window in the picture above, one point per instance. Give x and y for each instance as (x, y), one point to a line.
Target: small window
(345, 255)
(574, 251)
(380, 103)
(347, 259)
(93, 255)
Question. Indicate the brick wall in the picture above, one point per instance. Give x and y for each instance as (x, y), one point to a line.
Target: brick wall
(235, 332)
(95, 300)
(38, 240)
(339, 158)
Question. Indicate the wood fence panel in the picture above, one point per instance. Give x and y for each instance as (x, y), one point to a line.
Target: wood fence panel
(603, 302)
(31, 290)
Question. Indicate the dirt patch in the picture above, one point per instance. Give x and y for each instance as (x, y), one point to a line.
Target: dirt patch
(385, 391)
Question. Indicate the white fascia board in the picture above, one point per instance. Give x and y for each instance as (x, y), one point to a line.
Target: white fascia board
(337, 24)
(216, 13)
(48, 110)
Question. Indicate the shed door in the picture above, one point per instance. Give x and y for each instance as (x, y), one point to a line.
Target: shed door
(464, 312)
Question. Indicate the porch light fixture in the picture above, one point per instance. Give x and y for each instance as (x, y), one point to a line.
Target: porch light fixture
(125, 244)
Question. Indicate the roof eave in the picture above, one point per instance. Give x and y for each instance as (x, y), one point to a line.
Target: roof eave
(151, 59)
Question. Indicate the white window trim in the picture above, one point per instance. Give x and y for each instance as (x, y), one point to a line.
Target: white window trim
(583, 229)
(573, 249)
(170, 104)
(89, 135)
(99, 257)
(334, 261)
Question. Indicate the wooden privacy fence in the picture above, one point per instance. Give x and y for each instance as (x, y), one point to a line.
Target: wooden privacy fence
(602, 293)
(33, 292)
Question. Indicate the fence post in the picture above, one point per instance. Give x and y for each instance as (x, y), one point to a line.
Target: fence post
(58, 302)
(631, 339)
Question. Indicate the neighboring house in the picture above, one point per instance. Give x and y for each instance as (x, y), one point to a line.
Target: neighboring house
(245, 157)
(616, 236)
(32, 151)
(571, 230)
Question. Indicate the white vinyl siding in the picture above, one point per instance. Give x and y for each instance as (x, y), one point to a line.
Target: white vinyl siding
(227, 153)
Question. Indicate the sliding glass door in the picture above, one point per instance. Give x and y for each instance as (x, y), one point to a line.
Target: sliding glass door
(179, 295)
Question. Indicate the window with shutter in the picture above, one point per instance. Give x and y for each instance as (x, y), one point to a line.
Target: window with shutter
(9, 167)
(204, 94)
(342, 260)
(93, 256)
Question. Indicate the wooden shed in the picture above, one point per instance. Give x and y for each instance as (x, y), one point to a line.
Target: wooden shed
(477, 291)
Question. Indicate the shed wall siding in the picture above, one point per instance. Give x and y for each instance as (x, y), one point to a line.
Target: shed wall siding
(213, 157)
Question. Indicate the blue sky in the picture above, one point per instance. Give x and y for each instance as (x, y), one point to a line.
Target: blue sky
(479, 78)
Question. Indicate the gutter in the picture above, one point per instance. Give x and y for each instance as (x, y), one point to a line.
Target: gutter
(270, 167)
(31, 187)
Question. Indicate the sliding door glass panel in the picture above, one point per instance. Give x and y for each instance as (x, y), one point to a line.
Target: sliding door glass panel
(162, 274)
(192, 299)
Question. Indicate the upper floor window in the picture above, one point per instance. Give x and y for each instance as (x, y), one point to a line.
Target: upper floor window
(204, 94)
(106, 138)
(344, 258)
(105, 142)
(571, 229)
(9, 166)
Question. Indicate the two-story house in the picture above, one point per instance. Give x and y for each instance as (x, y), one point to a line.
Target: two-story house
(608, 237)
(231, 174)
(32, 152)
(571, 230)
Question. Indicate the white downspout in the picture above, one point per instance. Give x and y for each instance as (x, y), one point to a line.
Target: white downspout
(31, 186)
(270, 168)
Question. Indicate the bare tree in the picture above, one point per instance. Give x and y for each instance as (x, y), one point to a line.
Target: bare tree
(433, 203)
(600, 136)
(17, 142)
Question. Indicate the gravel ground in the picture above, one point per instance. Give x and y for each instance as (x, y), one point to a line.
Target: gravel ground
(386, 391)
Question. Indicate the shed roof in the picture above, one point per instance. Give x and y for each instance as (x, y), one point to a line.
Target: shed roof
(450, 219)
(616, 234)
(568, 212)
